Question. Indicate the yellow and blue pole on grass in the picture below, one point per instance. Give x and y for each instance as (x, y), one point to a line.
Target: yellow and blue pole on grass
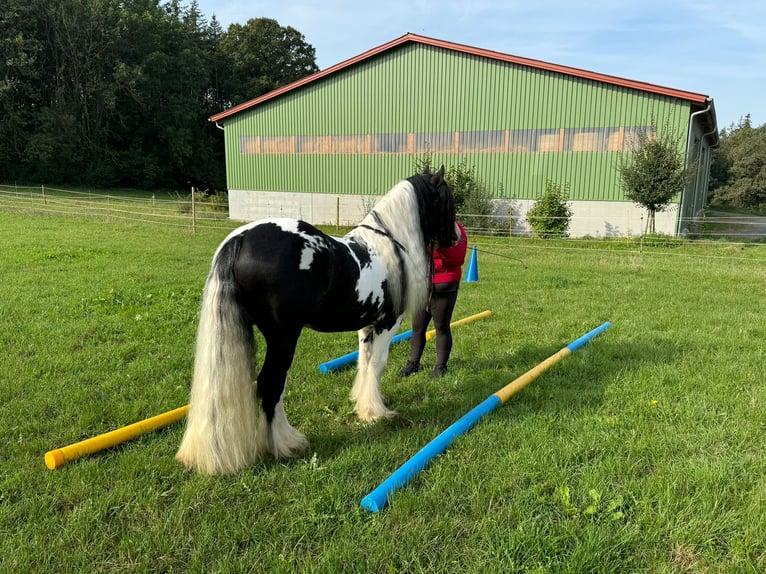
(349, 358)
(378, 498)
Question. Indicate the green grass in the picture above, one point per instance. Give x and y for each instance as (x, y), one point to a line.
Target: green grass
(642, 452)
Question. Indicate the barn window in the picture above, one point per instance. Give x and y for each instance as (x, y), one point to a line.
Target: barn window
(615, 139)
(631, 140)
(389, 143)
(483, 141)
(548, 141)
(585, 139)
(332, 145)
(282, 145)
(250, 145)
(492, 141)
(436, 142)
(312, 144)
(350, 145)
(522, 141)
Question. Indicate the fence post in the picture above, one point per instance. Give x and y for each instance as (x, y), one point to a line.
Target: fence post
(42, 187)
(337, 213)
(194, 213)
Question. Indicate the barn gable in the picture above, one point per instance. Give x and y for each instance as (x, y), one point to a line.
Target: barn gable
(353, 129)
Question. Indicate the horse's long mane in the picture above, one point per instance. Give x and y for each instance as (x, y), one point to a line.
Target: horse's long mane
(398, 213)
(436, 206)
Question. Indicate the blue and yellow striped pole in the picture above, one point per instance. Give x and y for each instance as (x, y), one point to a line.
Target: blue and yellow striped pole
(351, 357)
(378, 498)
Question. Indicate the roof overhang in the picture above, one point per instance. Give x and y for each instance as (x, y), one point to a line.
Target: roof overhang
(699, 101)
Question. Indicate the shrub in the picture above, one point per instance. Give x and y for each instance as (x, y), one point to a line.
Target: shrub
(550, 215)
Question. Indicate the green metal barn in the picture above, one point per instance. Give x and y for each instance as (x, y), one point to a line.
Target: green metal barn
(323, 147)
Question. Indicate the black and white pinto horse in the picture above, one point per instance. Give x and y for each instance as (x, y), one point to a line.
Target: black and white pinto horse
(280, 275)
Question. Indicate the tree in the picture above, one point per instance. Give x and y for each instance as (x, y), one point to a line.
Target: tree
(263, 56)
(71, 141)
(655, 172)
(21, 81)
(738, 170)
(119, 92)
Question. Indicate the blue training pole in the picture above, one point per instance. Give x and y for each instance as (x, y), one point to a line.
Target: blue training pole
(378, 498)
(349, 358)
(353, 356)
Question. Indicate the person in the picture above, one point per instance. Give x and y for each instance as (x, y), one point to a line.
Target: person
(447, 271)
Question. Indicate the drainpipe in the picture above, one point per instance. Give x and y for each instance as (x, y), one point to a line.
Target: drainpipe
(686, 160)
(706, 169)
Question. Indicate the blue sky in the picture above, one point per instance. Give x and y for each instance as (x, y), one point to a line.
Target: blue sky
(713, 47)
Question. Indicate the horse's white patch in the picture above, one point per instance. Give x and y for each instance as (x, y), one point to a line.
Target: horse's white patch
(371, 278)
(312, 243)
(370, 283)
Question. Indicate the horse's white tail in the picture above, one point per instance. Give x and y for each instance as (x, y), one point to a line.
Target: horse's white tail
(220, 435)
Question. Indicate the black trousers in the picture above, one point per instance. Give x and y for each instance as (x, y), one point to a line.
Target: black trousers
(442, 305)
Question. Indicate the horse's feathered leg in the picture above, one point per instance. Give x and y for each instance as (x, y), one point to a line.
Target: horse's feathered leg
(275, 435)
(365, 335)
(222, 418)
(373, 357)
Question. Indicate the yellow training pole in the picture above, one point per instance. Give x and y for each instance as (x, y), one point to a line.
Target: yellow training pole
(59, 457)
(432, 333)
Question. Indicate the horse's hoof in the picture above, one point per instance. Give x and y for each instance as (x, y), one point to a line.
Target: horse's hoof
(370, 417)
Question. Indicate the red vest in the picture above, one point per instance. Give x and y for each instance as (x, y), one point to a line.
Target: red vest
(448, 261)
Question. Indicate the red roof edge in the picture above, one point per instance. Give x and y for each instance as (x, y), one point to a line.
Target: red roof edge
(312, 78)
(539, 64)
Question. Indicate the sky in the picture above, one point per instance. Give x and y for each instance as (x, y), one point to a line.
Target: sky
(711, 47)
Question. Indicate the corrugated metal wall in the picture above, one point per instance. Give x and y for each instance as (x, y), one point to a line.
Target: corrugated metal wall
(426, 94)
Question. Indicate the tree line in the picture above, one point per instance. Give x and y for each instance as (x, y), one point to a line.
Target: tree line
(738, 169)
(119, 92)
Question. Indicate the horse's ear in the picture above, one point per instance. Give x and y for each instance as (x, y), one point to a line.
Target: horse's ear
(426, 170)
(438, 177)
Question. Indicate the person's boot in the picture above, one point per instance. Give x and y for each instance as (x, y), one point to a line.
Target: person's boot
(410, 368)
(439, 371)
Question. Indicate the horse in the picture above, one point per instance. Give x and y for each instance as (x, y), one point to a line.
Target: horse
(281, 275)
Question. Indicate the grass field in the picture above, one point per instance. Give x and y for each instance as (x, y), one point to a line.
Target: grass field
(642, 452)
(166, 208)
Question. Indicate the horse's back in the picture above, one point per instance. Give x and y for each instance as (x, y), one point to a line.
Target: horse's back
(290, 273)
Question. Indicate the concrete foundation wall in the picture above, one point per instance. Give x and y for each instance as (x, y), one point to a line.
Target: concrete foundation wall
(592, 218)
